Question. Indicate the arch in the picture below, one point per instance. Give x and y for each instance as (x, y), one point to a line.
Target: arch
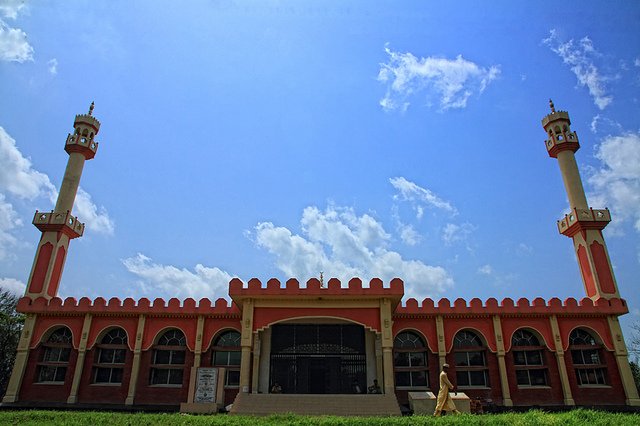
(106, 329)
(470, 357)
(168, 357)
(478, 334)
(164, 330)
(226, 352)
(586, 357)
(53, 328)
(529, 358)
(110, 356)
(417, 332)
(316, 317)
(589, 330)
(56, 346)
(214, 336)
(537, 333)
(410, 360)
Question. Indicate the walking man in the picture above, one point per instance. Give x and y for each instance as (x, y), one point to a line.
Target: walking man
(444, 401)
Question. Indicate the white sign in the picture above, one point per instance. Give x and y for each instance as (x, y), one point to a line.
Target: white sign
(206, 384)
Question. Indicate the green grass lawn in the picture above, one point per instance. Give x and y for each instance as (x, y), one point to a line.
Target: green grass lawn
(576, 417)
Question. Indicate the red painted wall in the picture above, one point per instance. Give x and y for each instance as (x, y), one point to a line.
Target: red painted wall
(101, 393)
(32, 391)
(154, 394)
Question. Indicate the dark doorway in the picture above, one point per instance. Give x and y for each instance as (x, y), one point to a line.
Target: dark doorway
(318, 358)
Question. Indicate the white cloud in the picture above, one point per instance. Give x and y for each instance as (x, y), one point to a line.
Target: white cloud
(11, 8)
(345, 245)
(485, 270)
(9, 220)
(524, 249)
(169, 281)
(20, 179)
(96, 218)
(14, 286)
(14, 46)
(409, 191)
(580, 57)
(52, 65)
(637, 62)
(449, 81)
(409, 235)
(453, 233)
(616, 183)
(16, 174)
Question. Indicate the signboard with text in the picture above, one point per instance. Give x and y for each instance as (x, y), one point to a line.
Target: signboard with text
(206, 384)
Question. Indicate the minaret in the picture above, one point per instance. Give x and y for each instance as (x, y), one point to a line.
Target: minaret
(59, 226)
(583, 224)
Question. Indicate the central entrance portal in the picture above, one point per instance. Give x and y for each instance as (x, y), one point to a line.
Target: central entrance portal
(318, 358)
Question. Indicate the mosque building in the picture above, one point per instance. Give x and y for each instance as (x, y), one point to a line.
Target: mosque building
(316, 347)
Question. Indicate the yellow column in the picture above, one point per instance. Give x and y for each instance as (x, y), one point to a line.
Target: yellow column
(70, 182)
(442, 350)
(197, 358)
(379, 366)
(622, 359)
(256, 364)
(246, 344)
(502, 367)
(82, 350)
(571, 179)
(20, 363)
(135, 365)
(562, 366)
(387, 346)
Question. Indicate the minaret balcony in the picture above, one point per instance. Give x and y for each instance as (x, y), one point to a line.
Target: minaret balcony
(565, 141)
(59, 222)
(82, 144)
(581, 219)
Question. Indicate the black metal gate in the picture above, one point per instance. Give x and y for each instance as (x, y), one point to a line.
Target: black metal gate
(318, 358)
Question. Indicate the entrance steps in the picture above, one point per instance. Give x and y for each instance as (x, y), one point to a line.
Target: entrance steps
(260, 404)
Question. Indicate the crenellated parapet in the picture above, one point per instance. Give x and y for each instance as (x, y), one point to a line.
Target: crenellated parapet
(128, 306)
(507, 307)
(314, 289)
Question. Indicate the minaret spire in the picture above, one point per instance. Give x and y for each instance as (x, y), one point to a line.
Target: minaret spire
(59, 226)
(583, 224)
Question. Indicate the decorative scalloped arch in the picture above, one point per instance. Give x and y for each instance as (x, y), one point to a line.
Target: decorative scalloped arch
(416, 331)
(480, 334)
(289, 319)
(215, 335)
(531, 329)
(104, 330)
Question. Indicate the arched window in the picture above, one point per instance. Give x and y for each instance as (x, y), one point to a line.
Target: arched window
(110, 357)
(410, 361)
(227, 353)
(528, 358)
(55, 357)
(167, 366)
(470, 356)
(587, 358)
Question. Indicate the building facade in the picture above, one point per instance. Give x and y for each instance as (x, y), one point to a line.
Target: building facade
(318, 338)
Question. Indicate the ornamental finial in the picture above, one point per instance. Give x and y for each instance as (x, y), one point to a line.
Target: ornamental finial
(553, 108)
(91, 108)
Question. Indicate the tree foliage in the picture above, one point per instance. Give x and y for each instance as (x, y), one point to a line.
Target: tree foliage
(11, 323)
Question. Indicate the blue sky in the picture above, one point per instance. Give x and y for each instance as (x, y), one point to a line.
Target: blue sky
(284, 138)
